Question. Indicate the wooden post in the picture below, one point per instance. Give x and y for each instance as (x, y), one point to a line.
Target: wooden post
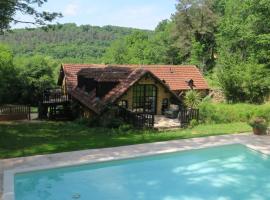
(29, 112)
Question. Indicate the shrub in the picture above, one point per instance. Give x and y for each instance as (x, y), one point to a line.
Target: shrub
(207, 99)
(193, 123)
(113, 123)
(227, 113)
(192, 99)
(244, 81)
(125, 128)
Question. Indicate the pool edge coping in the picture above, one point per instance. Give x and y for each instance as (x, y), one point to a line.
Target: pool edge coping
(8, 175)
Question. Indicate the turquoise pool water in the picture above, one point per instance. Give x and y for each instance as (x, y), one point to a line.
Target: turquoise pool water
(231, 172)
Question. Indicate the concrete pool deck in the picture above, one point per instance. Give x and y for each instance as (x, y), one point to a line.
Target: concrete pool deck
(9, 167)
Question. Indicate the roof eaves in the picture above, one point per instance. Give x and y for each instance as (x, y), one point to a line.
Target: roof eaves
(78, 97)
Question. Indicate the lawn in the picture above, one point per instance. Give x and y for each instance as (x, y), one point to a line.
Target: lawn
(25, 139)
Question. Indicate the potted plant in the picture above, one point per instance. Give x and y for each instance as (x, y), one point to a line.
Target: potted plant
(259, 125)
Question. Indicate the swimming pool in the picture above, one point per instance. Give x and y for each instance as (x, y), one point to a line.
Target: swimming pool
(231, 172)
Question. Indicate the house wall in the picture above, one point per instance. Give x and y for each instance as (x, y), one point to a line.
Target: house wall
(161, 93)
(64, 85)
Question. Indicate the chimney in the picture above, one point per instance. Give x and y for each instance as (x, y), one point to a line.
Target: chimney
(190, 83)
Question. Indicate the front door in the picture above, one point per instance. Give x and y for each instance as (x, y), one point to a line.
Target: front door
(145, 98)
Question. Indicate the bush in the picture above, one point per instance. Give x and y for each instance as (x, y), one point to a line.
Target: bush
(113, 123)
(193, 123)
(36, 74)
(244, 81)
(227, 113)
(192, 99)
(125, 128)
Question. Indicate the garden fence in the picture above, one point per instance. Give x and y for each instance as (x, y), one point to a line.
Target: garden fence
(15, 112)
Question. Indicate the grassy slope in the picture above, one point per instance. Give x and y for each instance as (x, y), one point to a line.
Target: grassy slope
(25, 139)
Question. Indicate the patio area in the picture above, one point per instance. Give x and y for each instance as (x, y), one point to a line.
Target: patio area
(162, 122)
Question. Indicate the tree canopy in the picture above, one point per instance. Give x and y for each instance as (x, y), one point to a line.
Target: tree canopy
(8, 76)
(243, 50)
(23, 79)
(9, 8)
(66, 42)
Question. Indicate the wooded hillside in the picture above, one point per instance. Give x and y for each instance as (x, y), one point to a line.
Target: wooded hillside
(65, 42)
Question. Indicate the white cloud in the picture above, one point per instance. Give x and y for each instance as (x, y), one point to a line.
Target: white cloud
(71, 9)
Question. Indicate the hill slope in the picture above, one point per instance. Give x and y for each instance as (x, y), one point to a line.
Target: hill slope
(66, 42)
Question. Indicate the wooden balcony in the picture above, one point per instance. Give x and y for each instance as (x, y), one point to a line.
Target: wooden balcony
(54, 96)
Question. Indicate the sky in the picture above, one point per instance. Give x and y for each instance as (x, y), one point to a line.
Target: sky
(143, 14)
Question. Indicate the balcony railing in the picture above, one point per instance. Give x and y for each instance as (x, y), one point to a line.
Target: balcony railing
(52, 96)
(138, 120)
(186, 115)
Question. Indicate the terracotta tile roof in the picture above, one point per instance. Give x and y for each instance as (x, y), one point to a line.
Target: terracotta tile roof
(106, 74)
(124, 85)
(99, 104)
(176, 76)
(71, 70)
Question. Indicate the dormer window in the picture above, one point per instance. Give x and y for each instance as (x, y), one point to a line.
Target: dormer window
(80, 82)
(87, 84)
(102, 88)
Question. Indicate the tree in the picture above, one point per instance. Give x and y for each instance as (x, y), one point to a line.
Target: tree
(243, 57)
(143, 48)
(8, 9)
(116, 54)
(197, 54)
(195, 21)
(245, 30)
(129, 50)
(244, 81)
(36, 74)
(162, 26)
(10, 84)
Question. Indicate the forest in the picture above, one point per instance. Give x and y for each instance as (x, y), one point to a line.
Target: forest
(229, 40)
(65, 42)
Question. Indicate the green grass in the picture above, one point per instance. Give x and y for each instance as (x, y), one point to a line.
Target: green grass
(25, 139)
